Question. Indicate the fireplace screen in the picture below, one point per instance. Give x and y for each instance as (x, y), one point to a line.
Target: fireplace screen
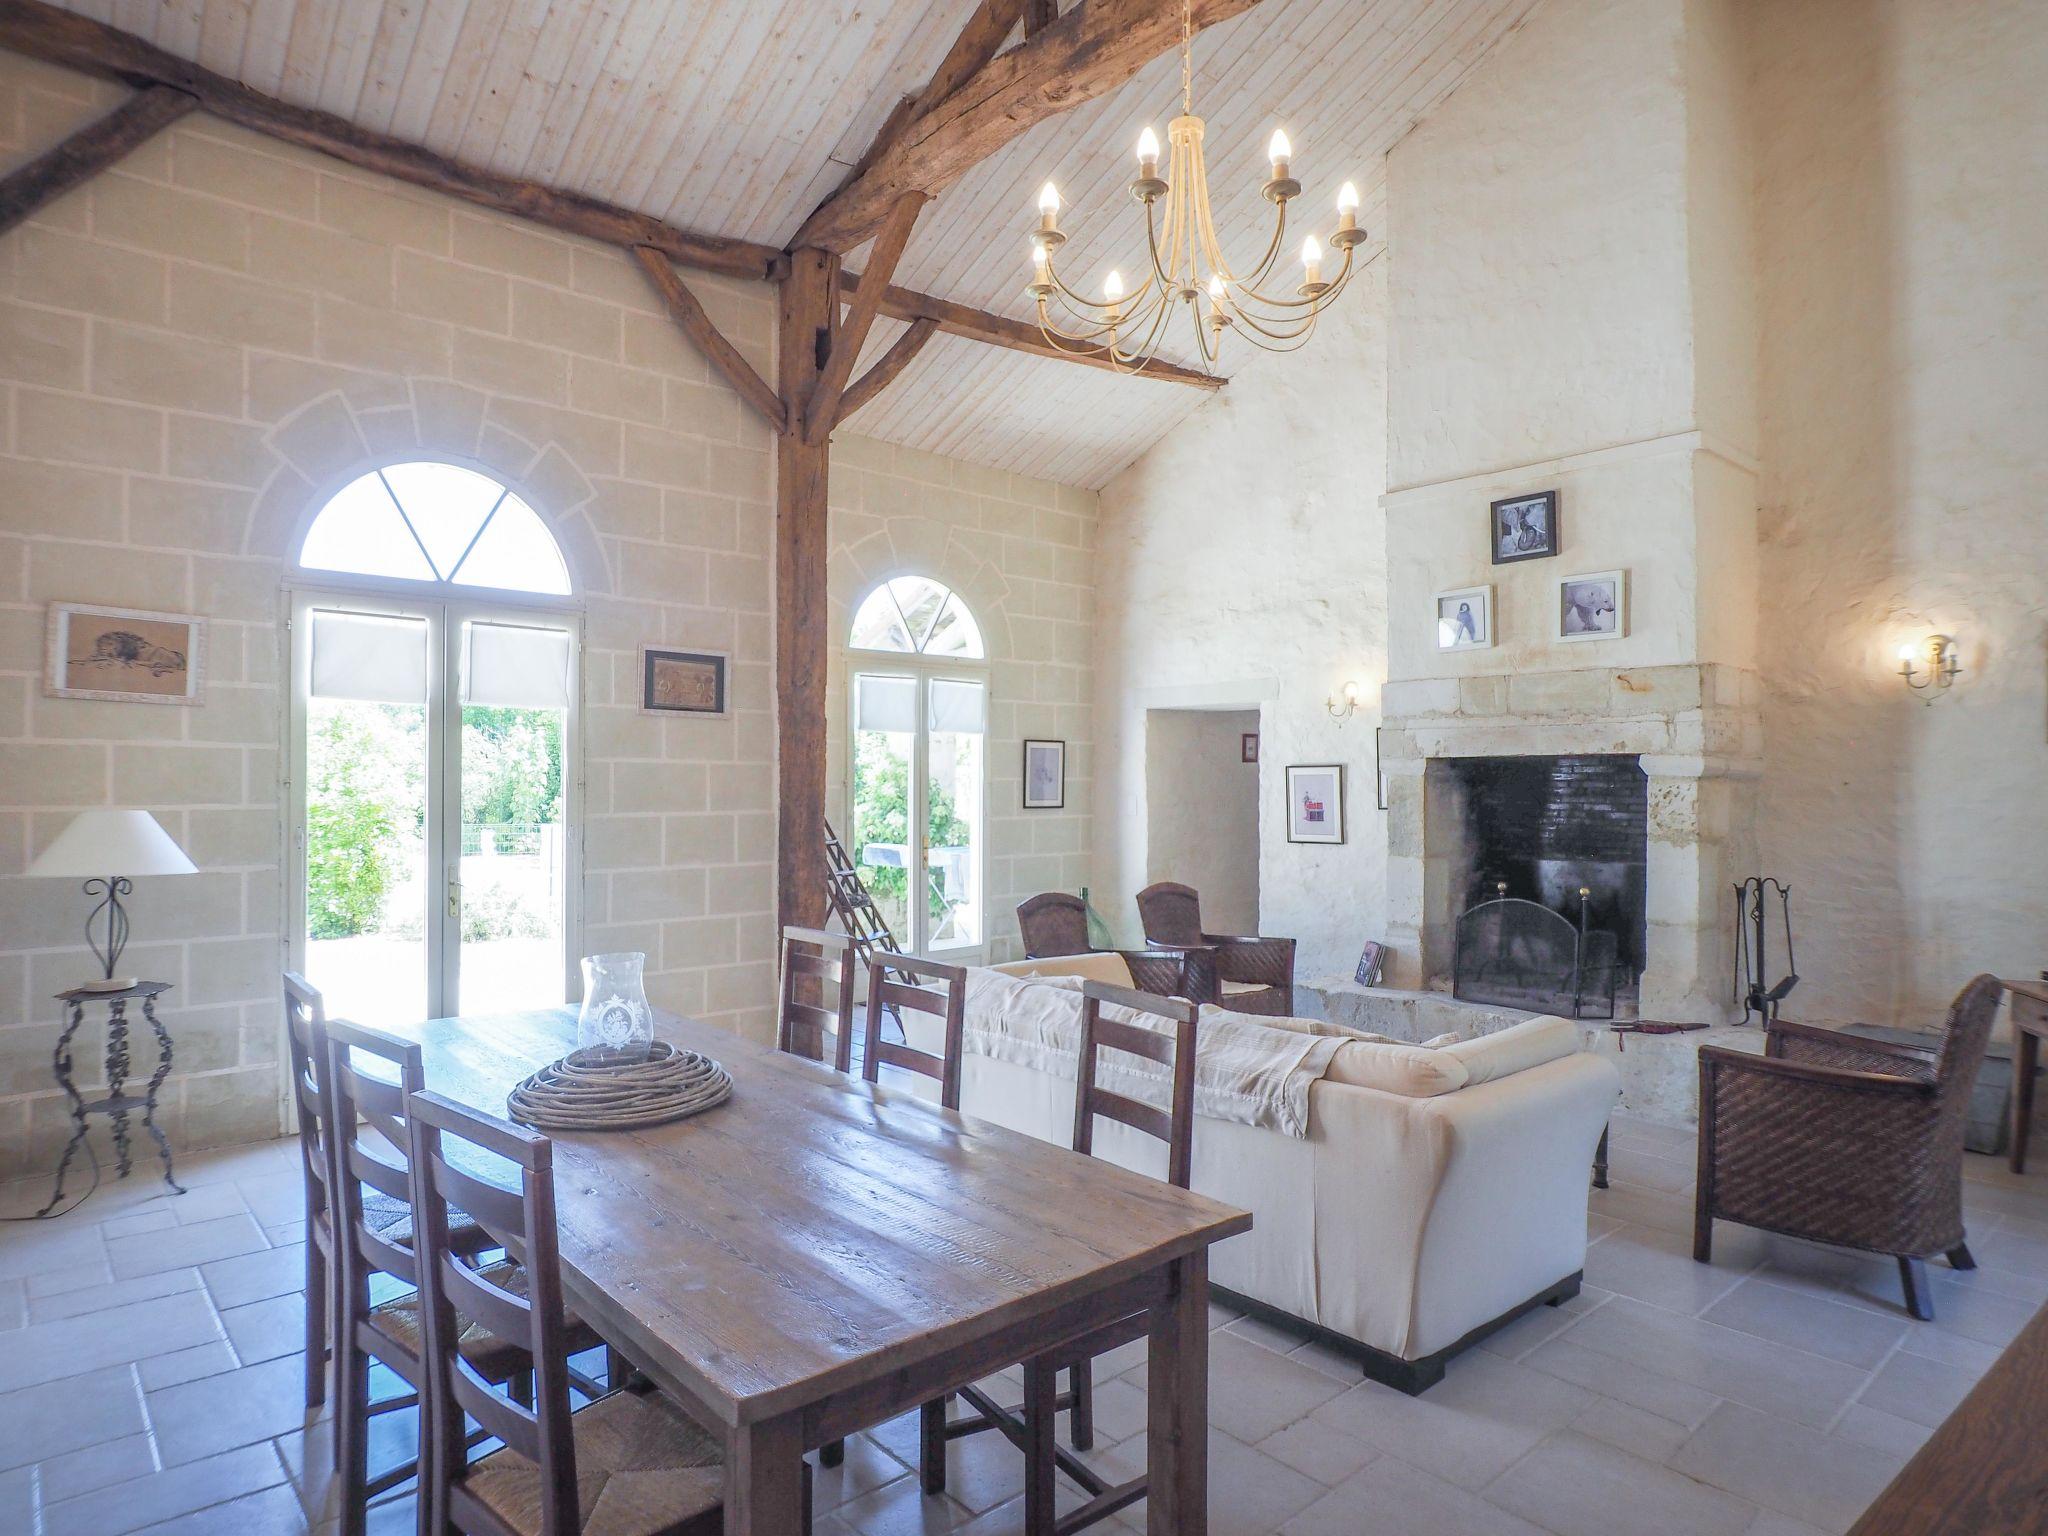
(1521, 954)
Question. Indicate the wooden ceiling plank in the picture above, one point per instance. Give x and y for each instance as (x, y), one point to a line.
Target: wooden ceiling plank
(695, 323)
(1087, 53)
(1000, 331)
(885, 368)
(852, 335)
(59, 37)
(89, 151)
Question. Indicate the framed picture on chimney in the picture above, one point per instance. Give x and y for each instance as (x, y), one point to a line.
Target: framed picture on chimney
(1315, 803)
(1525, 528)
(1593, 606)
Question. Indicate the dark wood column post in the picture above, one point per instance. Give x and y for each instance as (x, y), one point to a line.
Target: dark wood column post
(809, 316)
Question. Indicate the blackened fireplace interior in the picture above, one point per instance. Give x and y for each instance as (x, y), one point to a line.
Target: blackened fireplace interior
(1547, 827)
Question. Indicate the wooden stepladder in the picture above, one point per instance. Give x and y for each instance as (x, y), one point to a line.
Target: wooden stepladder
(855, 908)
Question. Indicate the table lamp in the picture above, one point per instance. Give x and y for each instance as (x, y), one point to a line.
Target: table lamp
(108, 848)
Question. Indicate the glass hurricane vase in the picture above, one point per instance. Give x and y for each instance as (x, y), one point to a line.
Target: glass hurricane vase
(615, 1015)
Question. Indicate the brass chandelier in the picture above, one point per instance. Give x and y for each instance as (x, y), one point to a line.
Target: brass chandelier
(1186, 263)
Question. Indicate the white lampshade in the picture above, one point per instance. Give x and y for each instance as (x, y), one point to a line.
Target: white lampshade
(109, 843)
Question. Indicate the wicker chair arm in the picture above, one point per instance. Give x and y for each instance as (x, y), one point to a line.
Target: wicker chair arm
(1798, 1074)
(1258, 961)
(1835, 1048)
(1174, 970)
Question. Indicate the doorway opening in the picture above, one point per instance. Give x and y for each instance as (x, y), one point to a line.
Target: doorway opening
(1202, 810)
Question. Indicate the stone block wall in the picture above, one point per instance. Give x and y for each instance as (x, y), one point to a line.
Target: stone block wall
(197, 348)
(1021, 554)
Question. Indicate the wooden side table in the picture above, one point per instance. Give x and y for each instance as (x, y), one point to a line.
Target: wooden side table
(118, 1103)
(2029, 1013)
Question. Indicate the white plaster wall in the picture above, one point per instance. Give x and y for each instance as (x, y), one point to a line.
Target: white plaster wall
(1202, 811)
(1572, 309)
(1241, 566)
(1633, 512)
(1902, 210)
(1540, 302)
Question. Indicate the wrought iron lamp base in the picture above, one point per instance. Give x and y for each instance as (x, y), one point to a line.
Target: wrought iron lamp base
(118, 1103)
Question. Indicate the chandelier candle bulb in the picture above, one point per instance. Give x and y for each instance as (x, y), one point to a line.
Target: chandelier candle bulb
(1279, 151)
(1348, 233)
(1148, 187)
(1312, 266)
(1049, 216)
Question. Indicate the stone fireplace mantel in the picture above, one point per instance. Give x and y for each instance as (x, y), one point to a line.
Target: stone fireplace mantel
(1698, 733)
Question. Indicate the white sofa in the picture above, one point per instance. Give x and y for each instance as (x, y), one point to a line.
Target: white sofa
(1438, 1194)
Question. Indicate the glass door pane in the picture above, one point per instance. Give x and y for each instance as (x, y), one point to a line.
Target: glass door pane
(956, 726)
(366, 835)
(510, 869)
(884, 831)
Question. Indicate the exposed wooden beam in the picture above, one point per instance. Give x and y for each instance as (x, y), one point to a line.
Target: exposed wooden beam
(986, 30)
(1017, 335)
(823, 407)
(78, 42)
(1038, 15)
(809, 317)
(979, 41)
(883, 373)
(688, 314)
(89, 151)
(1087, 53)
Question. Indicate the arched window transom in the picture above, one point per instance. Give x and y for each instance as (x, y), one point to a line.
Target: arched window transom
(436, 523)
(917, 616)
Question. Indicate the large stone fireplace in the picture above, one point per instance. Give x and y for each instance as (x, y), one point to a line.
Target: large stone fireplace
(1546, 780)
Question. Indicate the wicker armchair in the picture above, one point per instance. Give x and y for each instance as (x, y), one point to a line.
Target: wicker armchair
(1253, 975)
(1843, 1140)
(1053, 923)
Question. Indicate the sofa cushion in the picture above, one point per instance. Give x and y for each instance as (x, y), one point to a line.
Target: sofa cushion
(1516, 1048)
(1413, 1071)
(1101, 965)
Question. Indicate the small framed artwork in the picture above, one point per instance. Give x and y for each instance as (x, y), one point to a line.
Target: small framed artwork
(1464, 619)
(1525, 528)
(674, 682)
(1315, 803)
(1593, 606)
(125, 654)
(1371, 964)
(1248, 747)
(1045, 775)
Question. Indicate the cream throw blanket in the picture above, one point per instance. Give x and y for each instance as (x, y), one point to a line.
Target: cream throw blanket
(1245, 1069)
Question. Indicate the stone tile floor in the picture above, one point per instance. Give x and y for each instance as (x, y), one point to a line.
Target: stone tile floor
(149, 1382)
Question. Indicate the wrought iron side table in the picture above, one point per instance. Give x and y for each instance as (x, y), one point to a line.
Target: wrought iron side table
(118, 1103)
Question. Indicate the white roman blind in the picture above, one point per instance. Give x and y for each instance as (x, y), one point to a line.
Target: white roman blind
(378, 657)
(956, 706)
(515, 666)
(884, 703)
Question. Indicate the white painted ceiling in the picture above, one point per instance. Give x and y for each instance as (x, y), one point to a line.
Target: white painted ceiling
(737, 117)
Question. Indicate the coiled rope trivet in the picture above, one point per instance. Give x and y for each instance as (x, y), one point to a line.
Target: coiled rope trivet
(597, 1089)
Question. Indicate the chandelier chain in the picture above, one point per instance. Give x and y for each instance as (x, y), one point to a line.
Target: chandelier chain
(1187, 56)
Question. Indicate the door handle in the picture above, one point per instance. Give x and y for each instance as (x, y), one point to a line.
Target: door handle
(455, 898)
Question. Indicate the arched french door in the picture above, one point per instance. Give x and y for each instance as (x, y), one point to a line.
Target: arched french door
(433, 745)
(917, 684)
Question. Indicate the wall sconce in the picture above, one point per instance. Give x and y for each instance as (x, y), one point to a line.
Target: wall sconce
(1942, 666)
(1344, 706)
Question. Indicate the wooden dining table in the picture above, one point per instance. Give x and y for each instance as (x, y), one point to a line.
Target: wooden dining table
(820, 1254)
